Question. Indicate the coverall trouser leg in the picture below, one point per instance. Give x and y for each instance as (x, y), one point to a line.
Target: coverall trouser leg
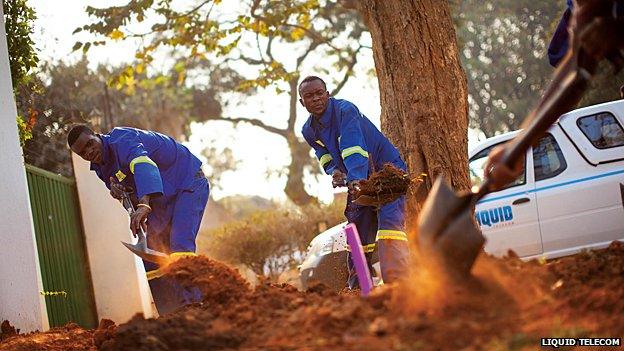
(392, 241)
(365, 219)
(383, 229)
(178, 239)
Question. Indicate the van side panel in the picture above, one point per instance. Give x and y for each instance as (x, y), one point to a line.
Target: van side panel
(582, 206)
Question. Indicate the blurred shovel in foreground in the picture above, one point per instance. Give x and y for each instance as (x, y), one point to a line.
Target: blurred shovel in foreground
(140, 248)
(447, 232)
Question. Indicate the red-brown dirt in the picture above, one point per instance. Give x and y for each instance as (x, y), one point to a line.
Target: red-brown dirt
(508, 305)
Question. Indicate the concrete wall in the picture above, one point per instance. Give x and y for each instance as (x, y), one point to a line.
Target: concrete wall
(119, 282)
(20, 277)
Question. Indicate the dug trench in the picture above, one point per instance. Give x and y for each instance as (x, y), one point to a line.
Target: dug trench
(508, 305)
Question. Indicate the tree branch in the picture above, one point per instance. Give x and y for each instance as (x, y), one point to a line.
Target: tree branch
(254, 122)
(258, 46)
(269, 48)
(249, 60)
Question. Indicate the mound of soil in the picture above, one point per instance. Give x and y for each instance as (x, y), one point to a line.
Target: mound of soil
(507, 305)
(7, 330)
(69, 337)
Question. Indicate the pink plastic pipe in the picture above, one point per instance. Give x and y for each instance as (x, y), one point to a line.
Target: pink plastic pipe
(359, 260)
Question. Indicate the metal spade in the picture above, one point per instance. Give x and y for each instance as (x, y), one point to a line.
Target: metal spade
(140, 248)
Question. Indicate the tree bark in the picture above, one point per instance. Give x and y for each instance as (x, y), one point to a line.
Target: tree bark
(424, 106)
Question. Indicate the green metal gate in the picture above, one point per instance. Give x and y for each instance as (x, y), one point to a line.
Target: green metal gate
(62, 254)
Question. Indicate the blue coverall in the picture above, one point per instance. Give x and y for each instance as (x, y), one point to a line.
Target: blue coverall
(344, 139)
(155, 164)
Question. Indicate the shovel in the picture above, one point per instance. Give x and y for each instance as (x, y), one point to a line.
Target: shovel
(447, 231)
(140, 248)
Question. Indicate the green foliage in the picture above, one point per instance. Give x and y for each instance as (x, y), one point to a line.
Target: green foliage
(504, 55)
(270, 241)
(25, 130)
(19, 20)
(198, 32)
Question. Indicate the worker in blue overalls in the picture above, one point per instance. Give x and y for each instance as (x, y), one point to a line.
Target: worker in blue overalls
(349, 147)
(170, 195)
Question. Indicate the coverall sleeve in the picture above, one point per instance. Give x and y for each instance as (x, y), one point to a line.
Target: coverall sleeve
(352, 144)
(147, 177)
(322, 154)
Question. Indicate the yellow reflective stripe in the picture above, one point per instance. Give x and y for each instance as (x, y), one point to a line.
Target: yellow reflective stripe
(366, 248)
(320, 143)
(353, 150)
(325, 159)
(385, 234)
(182, 254)
(154, 274)
(141, 159)
(369, 248)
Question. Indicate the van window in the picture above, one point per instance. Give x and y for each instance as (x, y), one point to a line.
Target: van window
(548, 160)
(477, 166)
(603, 130)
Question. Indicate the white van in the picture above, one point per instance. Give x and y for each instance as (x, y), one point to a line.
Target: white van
(569, 197)
(571, 194)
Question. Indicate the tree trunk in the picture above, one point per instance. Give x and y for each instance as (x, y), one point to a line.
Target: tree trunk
(424, 106)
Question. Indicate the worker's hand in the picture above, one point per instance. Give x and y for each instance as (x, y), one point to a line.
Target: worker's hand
(138, 219)
(498, 173)
(117, 189)
(354, 187)
(339, 179)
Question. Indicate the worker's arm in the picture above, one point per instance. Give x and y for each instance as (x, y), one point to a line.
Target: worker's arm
(147, 179)
(352, 145)
(322, 154)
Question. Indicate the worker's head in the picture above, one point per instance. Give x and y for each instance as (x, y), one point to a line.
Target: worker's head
(313, 95)
(85, 143)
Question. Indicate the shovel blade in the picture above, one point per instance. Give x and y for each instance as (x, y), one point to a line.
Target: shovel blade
(447, 231)
(150, 255)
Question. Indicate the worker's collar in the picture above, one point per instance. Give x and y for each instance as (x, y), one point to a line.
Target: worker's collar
(105, 151)
(325, 119)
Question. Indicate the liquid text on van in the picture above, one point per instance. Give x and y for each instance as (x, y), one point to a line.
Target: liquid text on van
(492, 216)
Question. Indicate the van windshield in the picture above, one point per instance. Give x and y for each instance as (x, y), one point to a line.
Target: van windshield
(476, 168)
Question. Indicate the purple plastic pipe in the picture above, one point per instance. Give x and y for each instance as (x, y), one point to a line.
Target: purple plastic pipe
(359, 260)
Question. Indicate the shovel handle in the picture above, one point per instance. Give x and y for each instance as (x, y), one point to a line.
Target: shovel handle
(127, 204)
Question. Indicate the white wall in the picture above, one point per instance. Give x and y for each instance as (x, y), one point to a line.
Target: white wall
(119, 282)
(20, 277)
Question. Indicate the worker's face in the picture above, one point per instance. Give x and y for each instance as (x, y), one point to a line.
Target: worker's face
(89, 147)
(314, 97)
